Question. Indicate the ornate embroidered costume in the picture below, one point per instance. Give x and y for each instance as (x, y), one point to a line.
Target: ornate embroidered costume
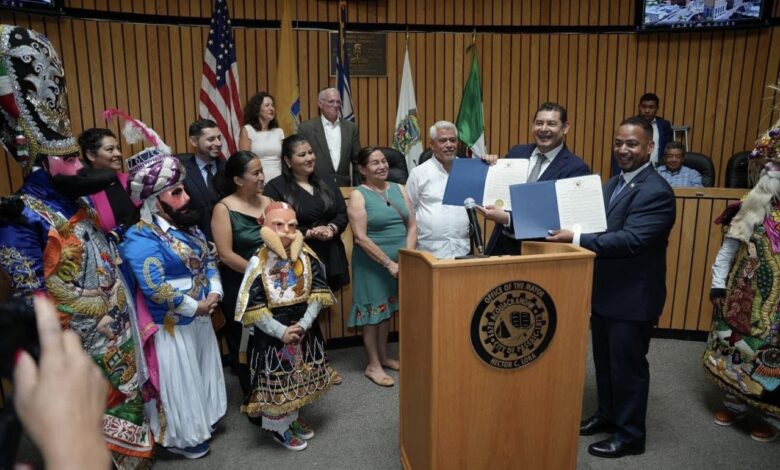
(280, 290)
(55, 245)
(174, 269)
(743, 348)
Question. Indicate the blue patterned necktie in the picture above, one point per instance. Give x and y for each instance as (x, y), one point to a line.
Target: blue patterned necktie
(618, 188)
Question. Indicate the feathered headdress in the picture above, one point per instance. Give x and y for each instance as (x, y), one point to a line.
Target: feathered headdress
(152, 170)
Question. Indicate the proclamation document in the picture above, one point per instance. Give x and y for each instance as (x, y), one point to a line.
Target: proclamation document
(506, 172)
(581, 204)
(571, 203)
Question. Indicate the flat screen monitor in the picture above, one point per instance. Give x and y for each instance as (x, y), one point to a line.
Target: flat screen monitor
(697, 15)
(41, 6)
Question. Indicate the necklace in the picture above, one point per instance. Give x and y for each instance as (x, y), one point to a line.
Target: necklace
(382, 194)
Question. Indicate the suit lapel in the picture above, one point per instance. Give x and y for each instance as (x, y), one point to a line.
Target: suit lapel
(195, 175)
(629, 188)
(345, 157)
(322, 142)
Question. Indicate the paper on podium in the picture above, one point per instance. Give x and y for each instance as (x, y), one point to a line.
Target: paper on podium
(551, 205)
(486, 184)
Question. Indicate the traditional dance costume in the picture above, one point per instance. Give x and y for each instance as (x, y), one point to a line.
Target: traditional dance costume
(280, 289)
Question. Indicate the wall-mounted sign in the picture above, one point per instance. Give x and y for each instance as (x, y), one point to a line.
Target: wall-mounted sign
(367, 54)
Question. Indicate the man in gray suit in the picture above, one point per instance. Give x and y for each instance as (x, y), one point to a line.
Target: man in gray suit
(335, 141)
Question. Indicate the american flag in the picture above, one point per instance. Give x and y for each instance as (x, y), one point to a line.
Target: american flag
(219, 85)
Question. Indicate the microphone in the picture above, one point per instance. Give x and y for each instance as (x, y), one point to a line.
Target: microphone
(474, 230)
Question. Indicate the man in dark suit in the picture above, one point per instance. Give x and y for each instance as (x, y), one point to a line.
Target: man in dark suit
(629, 289)
(202, 166)
(662, 129)
(335, 141)
(549, 160)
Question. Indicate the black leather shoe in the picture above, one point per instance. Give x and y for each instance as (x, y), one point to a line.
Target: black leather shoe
(612, 448)
(594, 425)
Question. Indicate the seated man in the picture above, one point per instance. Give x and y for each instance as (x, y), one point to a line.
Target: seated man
(673, 170)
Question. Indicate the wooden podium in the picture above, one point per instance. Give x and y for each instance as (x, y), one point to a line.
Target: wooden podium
(459, 412)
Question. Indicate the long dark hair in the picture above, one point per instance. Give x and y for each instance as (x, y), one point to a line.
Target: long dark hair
(320, 189)
(90, 141)
(252, 111)
(235, 166)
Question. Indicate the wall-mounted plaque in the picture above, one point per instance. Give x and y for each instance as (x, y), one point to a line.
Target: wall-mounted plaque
(367, 54)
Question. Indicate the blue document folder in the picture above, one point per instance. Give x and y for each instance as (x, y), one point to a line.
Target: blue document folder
(466, 180)
(534, 209)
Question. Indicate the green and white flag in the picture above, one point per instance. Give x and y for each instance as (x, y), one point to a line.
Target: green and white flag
(471, 121)
(406, 137)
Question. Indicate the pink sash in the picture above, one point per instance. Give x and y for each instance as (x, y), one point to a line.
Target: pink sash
(103, 207)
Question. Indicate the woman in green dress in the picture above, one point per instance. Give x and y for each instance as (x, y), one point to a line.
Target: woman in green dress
(382, 222)
(235, 224)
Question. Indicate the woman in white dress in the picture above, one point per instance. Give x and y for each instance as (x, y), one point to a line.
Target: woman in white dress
(262, 135)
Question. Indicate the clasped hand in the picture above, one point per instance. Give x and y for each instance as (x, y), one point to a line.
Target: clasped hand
(207, 305)
(293, 334)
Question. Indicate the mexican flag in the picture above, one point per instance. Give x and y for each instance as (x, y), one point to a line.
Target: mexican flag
(471, 121)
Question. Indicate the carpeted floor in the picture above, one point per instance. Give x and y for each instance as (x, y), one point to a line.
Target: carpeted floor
(356, 425)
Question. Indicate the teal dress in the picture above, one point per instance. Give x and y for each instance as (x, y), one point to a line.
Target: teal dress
(246, 242)
(374, 290)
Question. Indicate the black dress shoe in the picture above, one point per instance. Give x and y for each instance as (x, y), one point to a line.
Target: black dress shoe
(594, 425)
(612, 448)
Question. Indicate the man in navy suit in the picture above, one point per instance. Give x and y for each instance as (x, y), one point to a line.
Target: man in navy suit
(629, 289)
(549, 160)
(202, 166)
(662, 129)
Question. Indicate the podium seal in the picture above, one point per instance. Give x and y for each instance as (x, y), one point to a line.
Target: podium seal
(513, 324)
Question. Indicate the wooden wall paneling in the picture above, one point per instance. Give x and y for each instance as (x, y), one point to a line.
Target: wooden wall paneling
(580, 100)
(687, 220)
(310, 88)
(439, 76)
(149, 7)
(678, 99)
(772, 77)
(602, 96)
(672, 257)
(515, 71)
(533, 83)
(190, 98)
(714, 239)
(570, 83)
(728, 143)
(505, 110)
(691, 88)
(669, 55)
(491, 74)
(427, 78)
(698, 265)
(242, 61)
(611, 66)
(155, 72)
(167, 86)
(712, 95)
(142, 58)
(721, 105)
(758, 122)
(591, 91)
(67, 50)
(652, 66)
(86, 81)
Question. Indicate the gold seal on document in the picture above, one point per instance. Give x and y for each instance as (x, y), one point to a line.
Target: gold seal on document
(513, 324)
(499, 203)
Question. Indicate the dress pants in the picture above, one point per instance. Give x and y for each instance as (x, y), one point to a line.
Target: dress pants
(622, 373)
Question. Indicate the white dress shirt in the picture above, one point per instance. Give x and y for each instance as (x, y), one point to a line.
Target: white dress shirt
(333, 136)
(441, 230)
(550, 157)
